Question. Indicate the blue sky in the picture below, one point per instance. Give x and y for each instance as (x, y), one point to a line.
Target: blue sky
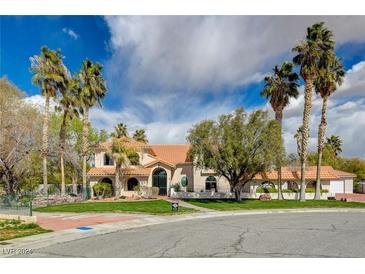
(166, 73)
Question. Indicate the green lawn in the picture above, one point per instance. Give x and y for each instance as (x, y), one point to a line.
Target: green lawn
(149, 207)
(256, 204)
(10, 229)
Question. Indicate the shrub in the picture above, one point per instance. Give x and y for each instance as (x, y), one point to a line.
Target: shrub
(266, 190)
(52, 189)
(103, 190)
(155, 190)
(290, 190)
(176, 187)
(137, 188)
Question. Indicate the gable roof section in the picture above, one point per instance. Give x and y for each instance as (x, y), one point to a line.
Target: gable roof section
(173, 154)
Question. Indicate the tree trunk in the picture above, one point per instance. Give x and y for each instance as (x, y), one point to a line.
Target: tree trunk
(45, 144)
(74, 184)
(237, 193)
(279, 118)
(62, 152)
(280, 191)
(117, 183)
(306, 118)
(321, 135)
(85, 142)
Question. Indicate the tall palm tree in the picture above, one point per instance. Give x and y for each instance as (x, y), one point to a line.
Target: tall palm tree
(50, 74)
(335, 143)
(330, 76)
(140, 136)
(92, 90)
(121, 155)
(68, 105)
(120, 131)
(318, 45)
(279, 88)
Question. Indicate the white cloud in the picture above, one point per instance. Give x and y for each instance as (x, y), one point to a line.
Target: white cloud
(162, 128)
(169, 71)
(38, 101)
(354, 84)
(211, 52)
(71, 33)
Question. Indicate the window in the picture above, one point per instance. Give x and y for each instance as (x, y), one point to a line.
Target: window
(92, 160)
(211, 183)
(108, 161)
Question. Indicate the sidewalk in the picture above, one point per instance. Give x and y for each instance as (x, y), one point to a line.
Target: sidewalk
(62, 236)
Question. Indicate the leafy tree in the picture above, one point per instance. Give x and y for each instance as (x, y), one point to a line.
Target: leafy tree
(120, 131)
(140, 136)
(335, 143)
(50, 75)
(279, 88)
(92, 90)
(103, 135)
(316, 47)
(237, 146)
(331, 74)
(18, 140)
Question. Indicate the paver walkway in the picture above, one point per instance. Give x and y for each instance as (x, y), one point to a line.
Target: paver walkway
(203, 209)
(355, 197)
(58, 222)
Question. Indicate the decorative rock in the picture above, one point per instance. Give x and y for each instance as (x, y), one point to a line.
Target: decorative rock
(265, 197)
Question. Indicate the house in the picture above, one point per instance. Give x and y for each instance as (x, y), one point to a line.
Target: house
(163, 165)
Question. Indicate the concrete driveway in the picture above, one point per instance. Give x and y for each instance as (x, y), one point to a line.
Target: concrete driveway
(325, 234)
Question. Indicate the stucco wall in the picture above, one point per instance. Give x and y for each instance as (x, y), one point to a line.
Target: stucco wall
(183, 170)
(349, 186)
(145, 159)
(200, 177)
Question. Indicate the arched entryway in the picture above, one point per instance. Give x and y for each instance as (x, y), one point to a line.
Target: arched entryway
(159, 179)
(132, 183)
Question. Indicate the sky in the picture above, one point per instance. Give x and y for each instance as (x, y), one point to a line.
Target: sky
(166, 73)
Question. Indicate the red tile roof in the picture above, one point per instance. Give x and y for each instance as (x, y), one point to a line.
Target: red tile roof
(172, 154)
(291, 174)
(126, 171)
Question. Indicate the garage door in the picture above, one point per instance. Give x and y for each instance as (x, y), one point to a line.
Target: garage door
(336, 187)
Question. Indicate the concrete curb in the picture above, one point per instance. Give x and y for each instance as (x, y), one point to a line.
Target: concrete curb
(64, 236)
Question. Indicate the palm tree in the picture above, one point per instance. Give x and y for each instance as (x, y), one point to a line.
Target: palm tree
(318, 45)
(331, 75)
(51, 75)
(140, 136)
(335, 143)
(68, 104)
(120, 131)
(121, 156)
(279, 88)
(92, 90)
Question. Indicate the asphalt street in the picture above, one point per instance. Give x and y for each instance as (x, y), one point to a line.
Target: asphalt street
(273, 235)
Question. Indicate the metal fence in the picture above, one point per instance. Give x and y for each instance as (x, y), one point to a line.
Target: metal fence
(16, 204)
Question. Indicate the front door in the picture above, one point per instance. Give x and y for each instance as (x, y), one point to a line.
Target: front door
(159, 179)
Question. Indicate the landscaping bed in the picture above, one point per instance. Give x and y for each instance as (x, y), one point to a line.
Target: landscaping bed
(149, 207)
(10, 229)
(273, 204)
